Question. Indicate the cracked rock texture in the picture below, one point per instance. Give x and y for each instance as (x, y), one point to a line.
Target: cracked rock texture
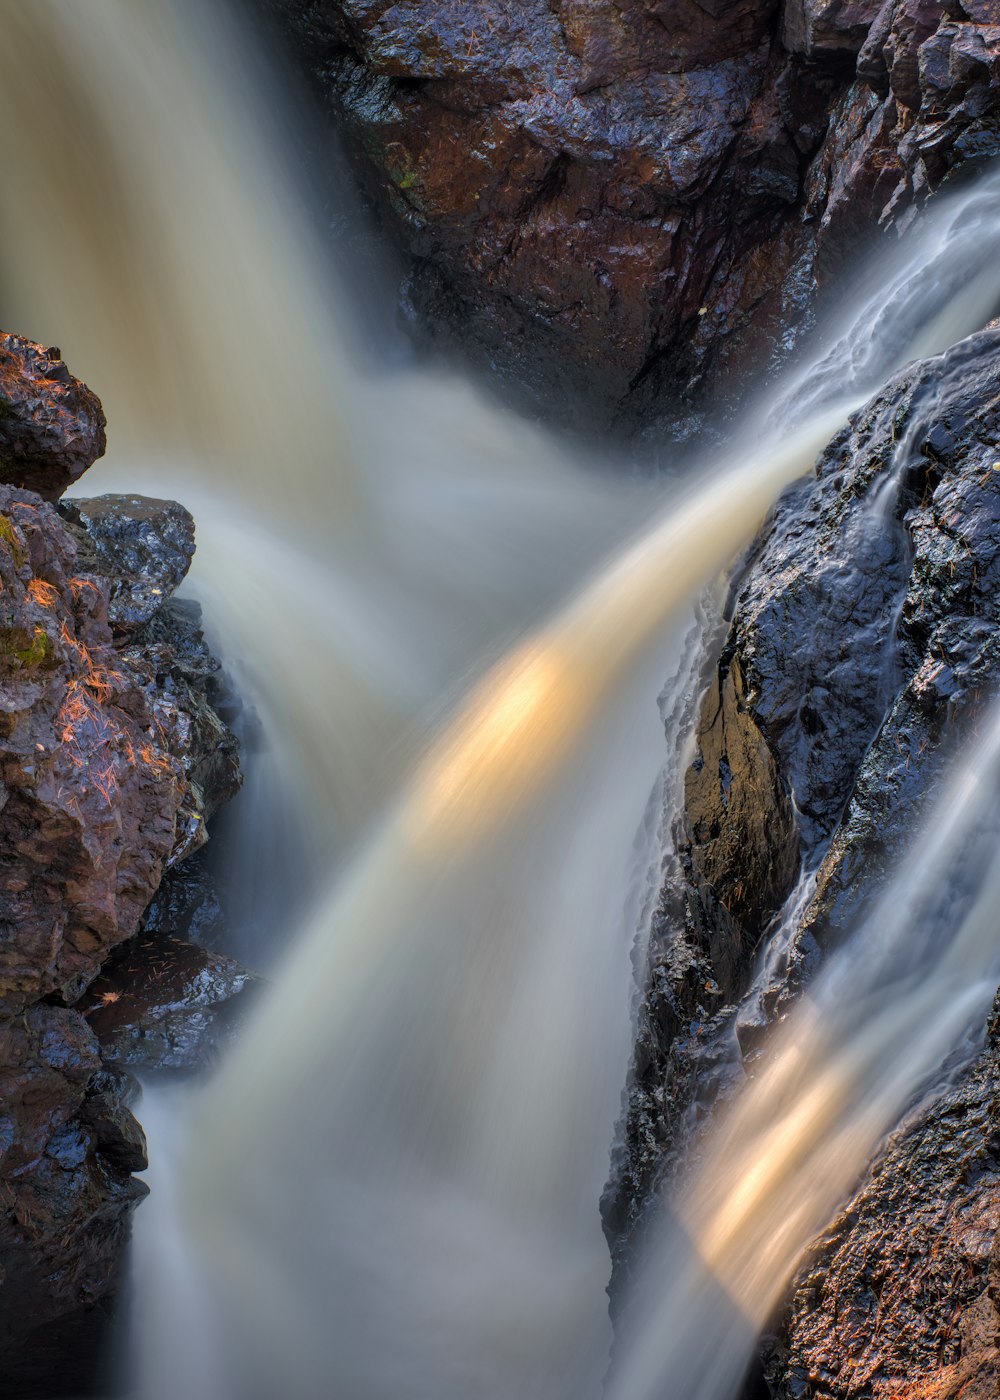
(638, 200)
(51, 425)
(900, 1298)
(112, 757)
(862, 645)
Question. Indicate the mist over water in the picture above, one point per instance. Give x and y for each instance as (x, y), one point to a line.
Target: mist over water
(391, 1188)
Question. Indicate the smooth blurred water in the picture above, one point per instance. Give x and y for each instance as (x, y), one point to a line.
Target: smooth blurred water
(391, 1188)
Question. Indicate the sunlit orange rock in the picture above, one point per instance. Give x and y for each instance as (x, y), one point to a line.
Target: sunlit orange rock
(51, 425)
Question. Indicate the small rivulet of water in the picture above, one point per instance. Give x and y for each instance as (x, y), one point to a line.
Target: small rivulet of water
(391, 1188)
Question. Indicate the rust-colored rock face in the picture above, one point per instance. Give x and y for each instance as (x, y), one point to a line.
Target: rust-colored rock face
(900, 1299)
(112, 756)
(742, 841)
(90, 795)
(51, 425)
(572, 177)
(642, 201)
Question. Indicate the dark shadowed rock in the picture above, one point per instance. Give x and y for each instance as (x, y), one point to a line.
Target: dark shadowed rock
(925, 101)
(163, 1004)
(826, 26)
(67, 1200)
(143, 546)
(189, 904)
(111, 1093)
(51, 425)
(863, 647)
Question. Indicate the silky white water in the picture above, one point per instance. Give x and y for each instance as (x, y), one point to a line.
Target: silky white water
(875, 1024)
(391, 1188)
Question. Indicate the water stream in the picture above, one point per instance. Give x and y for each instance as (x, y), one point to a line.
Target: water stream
(391, 1187)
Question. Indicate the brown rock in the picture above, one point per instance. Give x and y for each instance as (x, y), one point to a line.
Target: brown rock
(743, 845)
(899, 1299)
(573, 177)
(91, 797)
(111, 758)
(51, 425)
(615, 196)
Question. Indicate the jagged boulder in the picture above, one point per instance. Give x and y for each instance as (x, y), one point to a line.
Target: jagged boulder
(51, 425)
(576, 179)
(91, 795)
(863, 644)
(161, 1003)
(815, 27)
(645, 201)
(141, 545)
(113, 754)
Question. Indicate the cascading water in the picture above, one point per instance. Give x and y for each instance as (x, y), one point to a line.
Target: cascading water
(391, 1188)
(882, 1016)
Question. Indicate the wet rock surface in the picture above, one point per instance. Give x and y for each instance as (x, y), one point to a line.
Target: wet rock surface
(900, 1298)
(91, 793)
(51, 425)
(114, 753)
(575, 181)
(143, 546)
(161, 1003)
(862, 648)
(192, 702)
(637, 200)
(69, 1146)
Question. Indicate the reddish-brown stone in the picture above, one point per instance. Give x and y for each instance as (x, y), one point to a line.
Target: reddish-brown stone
(91, 797)
(51, 425)
(616, 196)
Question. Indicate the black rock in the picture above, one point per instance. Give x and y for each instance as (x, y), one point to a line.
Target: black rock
(163, 1004)
(864, 646)
(143, 545)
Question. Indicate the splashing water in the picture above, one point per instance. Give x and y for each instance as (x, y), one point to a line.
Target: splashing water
(391, 1188)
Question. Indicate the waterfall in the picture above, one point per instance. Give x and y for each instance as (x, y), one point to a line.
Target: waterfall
(879, 1019)
(391, 1187)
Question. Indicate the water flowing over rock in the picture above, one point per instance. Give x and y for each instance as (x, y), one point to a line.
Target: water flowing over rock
(901, 1296)
(618, 196)
(862, 645)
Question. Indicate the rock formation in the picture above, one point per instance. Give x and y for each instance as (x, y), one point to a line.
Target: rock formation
(863, 642)
(900, 1299)
(51, 425)
(112, 757)
(643, 201)
(645, 206)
